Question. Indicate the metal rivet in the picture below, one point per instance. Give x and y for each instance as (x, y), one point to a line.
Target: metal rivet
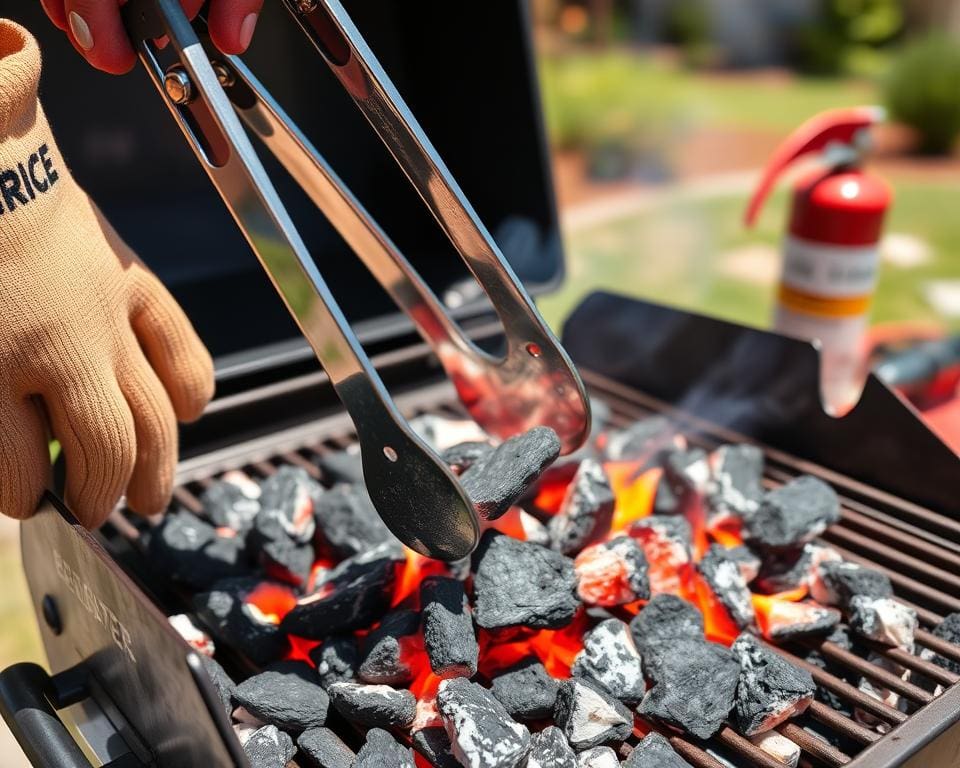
(224, 73)
(178, 86)
(534, 349)
(306, 6)
(51, 614)
(390, 453)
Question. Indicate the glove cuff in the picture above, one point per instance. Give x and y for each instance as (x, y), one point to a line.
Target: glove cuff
(19, 79)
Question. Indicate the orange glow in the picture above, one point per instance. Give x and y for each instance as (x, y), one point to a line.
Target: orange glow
(634, 494)
(727, 531)
(696, 515)
(320, 568)
(272, 600)
(415, 570)
(511, 525)
(300, 649)
(717, 624)
(553, 487)
(668, 562)
(785, 609)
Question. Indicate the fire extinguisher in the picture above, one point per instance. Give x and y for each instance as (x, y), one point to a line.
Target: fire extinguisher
(830, 253)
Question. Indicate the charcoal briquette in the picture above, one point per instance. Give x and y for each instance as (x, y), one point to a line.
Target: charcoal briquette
(337, 659)
(844, 581)
(351, 596)
(448, 634)
(687, 470)
(666, 540)
(189, 550)
(349, 523)
(322, 748)
(612, 572)
(747, 561)
(442, 432)
(654, 751)
(386, 659)
(192, 634)
(526, 690)
(434, 744)
(462, 456)
(598, 757)
(661, 622)
(522, 584)
(586, 511)
(229, 618)
(381, 750)
(534, 531)
(286, 694)
(779, 747)
(287, 499)
(665, 501)
(793, 514)
(694, 686)
(341, 467)
(949, 630)
(374, 705)
(723, 576)
(222, 682)
(269, 747)
(786, 620)
(496, 481)
(589, 716)
(283, 558)
(884, 620)
(770, 689)
(610, 657)
(737, 474)
(640, 441)
(481, 732)
(550, 749)
(227, 505)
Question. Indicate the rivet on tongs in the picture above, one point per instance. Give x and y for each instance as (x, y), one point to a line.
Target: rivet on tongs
(176, 82)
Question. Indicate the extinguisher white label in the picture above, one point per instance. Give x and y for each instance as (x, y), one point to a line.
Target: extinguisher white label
(829, 271)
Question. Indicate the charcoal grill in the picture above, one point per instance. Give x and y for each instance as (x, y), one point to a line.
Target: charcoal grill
(125, 690)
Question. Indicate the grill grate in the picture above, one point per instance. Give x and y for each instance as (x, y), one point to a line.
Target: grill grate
(917, 548)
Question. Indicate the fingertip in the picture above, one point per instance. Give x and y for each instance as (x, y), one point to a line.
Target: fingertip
(97, 32)
(55, 12)
(232, 24)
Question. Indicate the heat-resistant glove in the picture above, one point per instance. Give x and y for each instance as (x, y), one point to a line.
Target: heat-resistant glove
(93, 349)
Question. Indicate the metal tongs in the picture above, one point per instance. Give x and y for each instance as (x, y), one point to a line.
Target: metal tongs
(416, 494)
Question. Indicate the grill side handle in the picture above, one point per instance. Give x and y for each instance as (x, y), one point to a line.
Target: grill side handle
(27, 697)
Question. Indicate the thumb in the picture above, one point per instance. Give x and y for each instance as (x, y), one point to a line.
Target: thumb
(96, 31)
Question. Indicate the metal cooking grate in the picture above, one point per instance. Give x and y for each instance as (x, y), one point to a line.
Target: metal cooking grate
(917, 548)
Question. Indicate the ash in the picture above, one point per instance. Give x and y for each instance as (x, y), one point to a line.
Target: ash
(610, 657)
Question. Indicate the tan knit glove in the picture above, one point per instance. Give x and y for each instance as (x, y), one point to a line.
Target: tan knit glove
(91, 343)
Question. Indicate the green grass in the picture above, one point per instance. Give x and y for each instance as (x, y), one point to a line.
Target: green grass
(672, 254)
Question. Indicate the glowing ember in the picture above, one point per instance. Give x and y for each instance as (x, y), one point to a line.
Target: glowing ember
(412, 572)
(271, 601)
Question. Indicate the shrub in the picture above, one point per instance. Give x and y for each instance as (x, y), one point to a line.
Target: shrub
(923, 91)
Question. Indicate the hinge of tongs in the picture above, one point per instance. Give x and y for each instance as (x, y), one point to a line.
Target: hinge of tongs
(534, 384)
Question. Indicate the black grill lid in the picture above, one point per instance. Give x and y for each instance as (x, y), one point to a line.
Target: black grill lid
(469, 77)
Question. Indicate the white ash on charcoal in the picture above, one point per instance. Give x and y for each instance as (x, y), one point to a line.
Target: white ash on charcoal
(642, 440)
(442, 432)
(448, 634)
(694, 685)
(351, 596)
(549, 749)
(666, 540)
(336, 659)
(747, 561)
(840, 582)
(534, 531)
(195, 637)
(586, 512)
(786, 620)
(589, 716)
(434, 744)
(884, 620)
(496, 481)
(598, 757)
(790, 569)
(770, 689)
(224, 611)
(386, 657)
(342, 466)
(726, 581)
(348, 522)
(374, 705)
(462, 456)
(222, 682)
(286, 694)
(779, 747)
(654, 751)
(610, 657)
(661, 622)
(269, 747)
(322, 748)
(522, 584)
(229, 505)
(793, 514)
(878, 692)
(243, 481)
(381, 750)
(736, 489)
(481, 732)
(949, 630)
(526, 690)
(189, 550)
(287, 499)
(687, 471)
(612, 572)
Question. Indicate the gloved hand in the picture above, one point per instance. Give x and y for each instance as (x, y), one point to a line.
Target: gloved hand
(96, 30)
(91, 342)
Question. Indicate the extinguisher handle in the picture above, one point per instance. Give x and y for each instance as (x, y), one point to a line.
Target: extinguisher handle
(835, 126)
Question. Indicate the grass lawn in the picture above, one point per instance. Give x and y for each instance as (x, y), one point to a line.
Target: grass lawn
(675, 253)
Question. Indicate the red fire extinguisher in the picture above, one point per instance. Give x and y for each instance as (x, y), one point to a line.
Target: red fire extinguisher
(830, 253)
